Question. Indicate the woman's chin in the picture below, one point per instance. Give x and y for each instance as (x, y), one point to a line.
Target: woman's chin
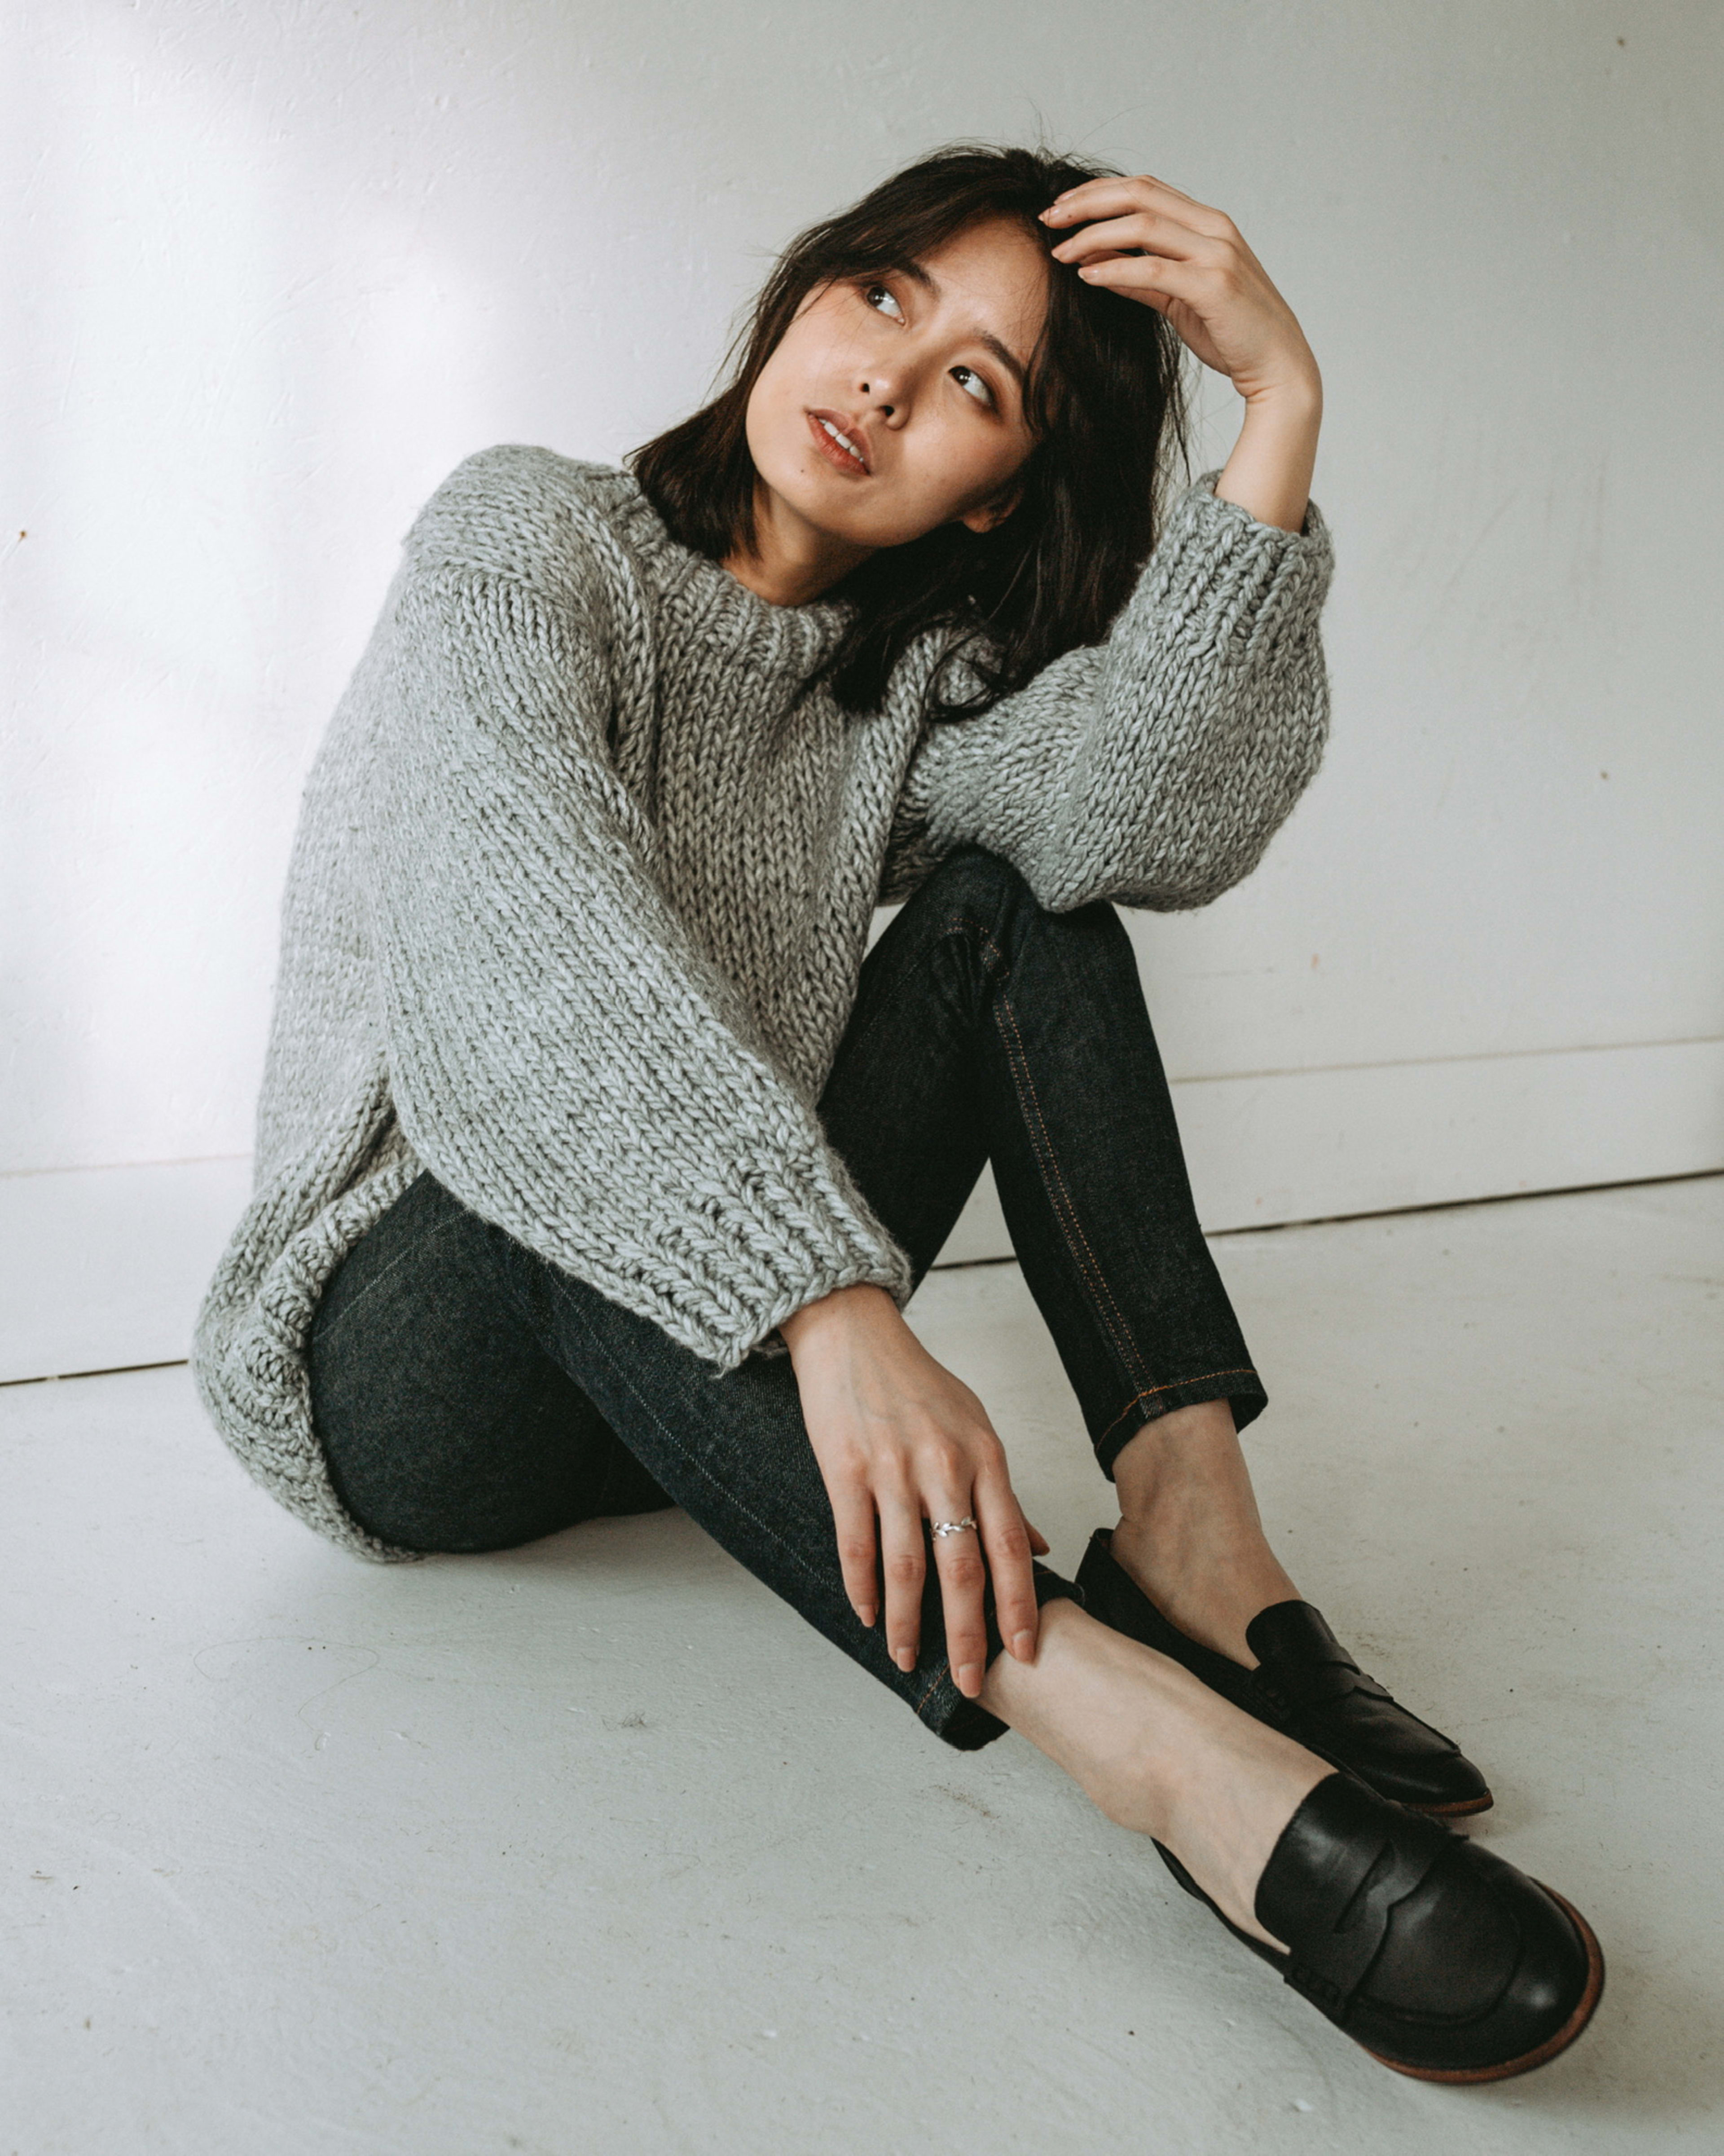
(839, 510)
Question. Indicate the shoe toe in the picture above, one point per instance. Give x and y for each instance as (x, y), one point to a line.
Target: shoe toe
(1306, 1684)
(1324, 1700)
(1483, 1974)
(1401, 1757)
(1442, 1960)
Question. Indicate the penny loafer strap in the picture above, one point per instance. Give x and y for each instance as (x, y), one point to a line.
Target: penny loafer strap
(1300, 1663)
(1343, 1862)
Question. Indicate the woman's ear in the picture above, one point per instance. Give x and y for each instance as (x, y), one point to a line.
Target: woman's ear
(990, 516)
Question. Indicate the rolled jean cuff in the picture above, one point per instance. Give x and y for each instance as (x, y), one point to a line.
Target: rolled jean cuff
(1241, 1387)
(962, 1722)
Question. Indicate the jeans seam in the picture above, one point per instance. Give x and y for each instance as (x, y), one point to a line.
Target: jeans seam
(942, 1675)
(1150, 1392)
(1065, 1205)
(1073, 1226)
(1102, 1295)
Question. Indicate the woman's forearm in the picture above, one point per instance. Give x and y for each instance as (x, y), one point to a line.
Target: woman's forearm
(1269, 471)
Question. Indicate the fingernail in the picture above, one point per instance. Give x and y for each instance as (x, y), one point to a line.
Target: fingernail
(1024, 1645)
(906, 1658)
(867, 1612)
(969, 1678)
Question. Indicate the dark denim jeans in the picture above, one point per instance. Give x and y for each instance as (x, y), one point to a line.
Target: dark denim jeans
(471, 1396)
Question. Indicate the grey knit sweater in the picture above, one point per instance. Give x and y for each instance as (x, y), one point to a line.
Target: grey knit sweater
(577, 901)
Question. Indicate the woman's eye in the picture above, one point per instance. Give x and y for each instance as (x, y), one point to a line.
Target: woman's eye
(873, 294)
(972, 384)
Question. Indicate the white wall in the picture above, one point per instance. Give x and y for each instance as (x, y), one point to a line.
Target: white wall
(282, 266)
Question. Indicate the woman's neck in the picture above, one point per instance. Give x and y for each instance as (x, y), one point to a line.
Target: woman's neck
(792, 561)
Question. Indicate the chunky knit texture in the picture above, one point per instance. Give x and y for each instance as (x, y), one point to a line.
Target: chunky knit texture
(581, 891)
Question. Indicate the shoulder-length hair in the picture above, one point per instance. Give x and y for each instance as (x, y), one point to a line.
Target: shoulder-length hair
(1106, 403)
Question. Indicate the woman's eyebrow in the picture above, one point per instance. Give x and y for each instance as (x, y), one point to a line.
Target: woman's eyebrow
(1003, 353)
(1007, 357)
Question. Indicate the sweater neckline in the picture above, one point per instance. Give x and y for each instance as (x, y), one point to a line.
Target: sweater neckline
(710, 605)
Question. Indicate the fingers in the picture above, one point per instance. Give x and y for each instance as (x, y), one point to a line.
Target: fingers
(858, 1551)
(1113, 198)
(1000, 1548)
(1146, 277)
(1005, 1540)
(1140, 230)
(904, 1564)
(925, 1453)
(963, 1576)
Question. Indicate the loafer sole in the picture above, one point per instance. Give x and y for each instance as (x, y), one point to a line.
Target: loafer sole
(1463, 1808)
(1541, 2054)
(1468, 1809)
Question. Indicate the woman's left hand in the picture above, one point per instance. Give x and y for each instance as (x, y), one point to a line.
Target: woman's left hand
(1148, 241)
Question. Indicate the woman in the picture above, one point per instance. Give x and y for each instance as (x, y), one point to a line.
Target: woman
(596, 1163)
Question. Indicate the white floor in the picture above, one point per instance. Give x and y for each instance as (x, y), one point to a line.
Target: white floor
(104, 1268)
(593, 1847)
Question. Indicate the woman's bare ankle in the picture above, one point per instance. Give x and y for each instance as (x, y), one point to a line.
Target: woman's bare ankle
(1157, 1751)
(1208, 1584)
(1189, 1532)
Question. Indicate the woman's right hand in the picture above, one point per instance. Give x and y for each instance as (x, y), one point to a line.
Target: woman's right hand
(899, 1439)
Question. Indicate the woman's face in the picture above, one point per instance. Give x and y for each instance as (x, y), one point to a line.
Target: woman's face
(921, 373)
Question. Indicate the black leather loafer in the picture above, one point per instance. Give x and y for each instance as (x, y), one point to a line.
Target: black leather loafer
(1443, 1961)
(1305, 1684)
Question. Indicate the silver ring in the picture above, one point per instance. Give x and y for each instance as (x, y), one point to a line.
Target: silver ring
(966, 1526)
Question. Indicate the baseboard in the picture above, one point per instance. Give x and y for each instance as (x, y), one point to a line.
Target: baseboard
(102, 1268)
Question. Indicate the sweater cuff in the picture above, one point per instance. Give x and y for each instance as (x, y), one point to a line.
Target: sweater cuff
(767, 1341)
(1202, 494)
(1217, 571)
(771, 1255)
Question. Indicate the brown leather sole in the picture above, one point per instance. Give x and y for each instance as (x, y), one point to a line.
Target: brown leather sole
(1468, 1809)
(1541, 2054)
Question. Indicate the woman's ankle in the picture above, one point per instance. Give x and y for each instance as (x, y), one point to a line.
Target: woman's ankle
(1157, 1751)
(1207, 1583)
(1090, 1699)
(1189, 1532)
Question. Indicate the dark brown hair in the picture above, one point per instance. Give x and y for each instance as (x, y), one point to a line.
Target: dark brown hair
(1105, 402)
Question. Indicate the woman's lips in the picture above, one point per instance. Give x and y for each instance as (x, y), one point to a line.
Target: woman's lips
(834, 452)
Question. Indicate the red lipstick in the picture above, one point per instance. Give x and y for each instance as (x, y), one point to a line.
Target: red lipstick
(858, 464)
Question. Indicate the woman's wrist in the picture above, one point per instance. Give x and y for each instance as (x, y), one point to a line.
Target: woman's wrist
(1269, 474)
(842, 1311)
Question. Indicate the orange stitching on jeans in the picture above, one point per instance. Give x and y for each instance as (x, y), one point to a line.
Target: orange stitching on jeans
(1065, 1206)
(942, 1675)
(1241, 1370)
(1072, 1226)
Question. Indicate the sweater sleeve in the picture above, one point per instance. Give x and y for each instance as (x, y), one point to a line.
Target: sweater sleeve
(1153, 768)
(560, 1054)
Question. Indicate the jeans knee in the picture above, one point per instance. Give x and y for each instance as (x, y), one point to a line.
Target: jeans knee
(985, 886)
(973, 877)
